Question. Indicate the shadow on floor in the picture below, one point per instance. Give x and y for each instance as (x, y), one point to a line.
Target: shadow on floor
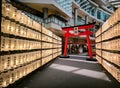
(69, 73)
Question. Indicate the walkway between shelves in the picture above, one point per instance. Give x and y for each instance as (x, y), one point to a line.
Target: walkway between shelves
(73, 72)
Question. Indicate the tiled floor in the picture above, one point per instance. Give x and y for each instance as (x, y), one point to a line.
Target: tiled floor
(73, 72)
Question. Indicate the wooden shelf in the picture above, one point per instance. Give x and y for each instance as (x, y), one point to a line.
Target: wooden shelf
(108, 45)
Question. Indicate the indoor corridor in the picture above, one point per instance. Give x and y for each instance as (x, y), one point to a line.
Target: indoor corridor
(73, 72)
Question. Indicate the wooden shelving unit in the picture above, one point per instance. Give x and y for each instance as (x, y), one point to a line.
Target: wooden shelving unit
(26, 45)
(108, 45)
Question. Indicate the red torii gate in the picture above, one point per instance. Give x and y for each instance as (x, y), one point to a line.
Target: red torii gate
(76, 29)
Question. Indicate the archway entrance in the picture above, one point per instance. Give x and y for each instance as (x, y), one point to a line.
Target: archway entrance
(76, 31)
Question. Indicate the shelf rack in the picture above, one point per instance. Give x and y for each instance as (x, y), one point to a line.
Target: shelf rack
(108, 45)
(26, 44)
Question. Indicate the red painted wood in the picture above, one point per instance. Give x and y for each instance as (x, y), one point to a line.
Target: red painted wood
(67, 34)
(89, 45)
(66, 44)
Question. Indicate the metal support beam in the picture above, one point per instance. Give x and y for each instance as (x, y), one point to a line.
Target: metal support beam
(86, 19)
(45, 13)
(95, 14)
(75, 16)
(85, 5)
(82, 2)
(88, 7)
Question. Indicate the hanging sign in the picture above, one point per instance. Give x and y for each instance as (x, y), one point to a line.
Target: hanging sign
(76, 30)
